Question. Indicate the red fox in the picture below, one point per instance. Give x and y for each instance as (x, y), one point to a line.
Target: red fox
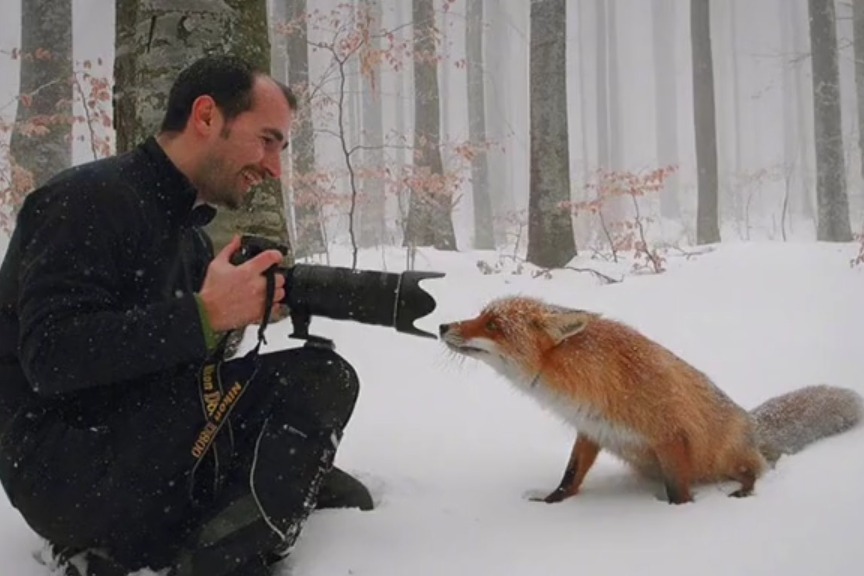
(629, 395)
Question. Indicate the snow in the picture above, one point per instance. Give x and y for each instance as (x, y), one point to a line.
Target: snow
(452, 452)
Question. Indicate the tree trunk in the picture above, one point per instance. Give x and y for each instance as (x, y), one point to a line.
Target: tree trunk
(707, 220)
(550, 227)
(46, 90)
(584, 227)
(352, 117)
(803, 112)
(666, 101)
(373, 229)
(609, 158)
(791, 138)
(278, 18)
(833, 203)
(483, 233)
(858, 41)
(445, 62)
(738, 171)
(584, 113)
(430, 220)
(400, 120)
(604, 153)
(497, 79)
(155, 40)
(616, 132)
(307, 205)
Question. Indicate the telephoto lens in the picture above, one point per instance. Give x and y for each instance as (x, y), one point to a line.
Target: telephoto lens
(364, 296)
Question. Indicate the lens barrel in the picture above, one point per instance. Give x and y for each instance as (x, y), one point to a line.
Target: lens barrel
(365, 296)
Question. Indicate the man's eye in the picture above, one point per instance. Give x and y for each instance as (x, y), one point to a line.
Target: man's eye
(271, 144)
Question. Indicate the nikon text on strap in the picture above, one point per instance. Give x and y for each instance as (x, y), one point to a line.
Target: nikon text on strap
(222, 383)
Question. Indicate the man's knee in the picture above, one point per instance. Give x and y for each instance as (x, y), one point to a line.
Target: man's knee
(318, 384)
(334, 381)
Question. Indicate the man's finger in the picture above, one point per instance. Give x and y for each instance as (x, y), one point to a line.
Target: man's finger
(263, 261)
(276, 310)
(229, 249)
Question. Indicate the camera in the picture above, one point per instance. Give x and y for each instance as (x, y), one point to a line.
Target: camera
(364, 296)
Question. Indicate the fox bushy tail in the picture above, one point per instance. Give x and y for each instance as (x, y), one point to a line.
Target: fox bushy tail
(787, 423)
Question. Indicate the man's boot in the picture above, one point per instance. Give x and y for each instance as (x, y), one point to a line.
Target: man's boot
(292, 423)
(234, 550)
(260, 514)
(342, 490)
(90, 562)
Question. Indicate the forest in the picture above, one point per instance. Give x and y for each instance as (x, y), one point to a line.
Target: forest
(693, 169)
(536, 130)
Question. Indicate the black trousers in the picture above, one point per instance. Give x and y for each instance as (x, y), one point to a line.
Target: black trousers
(129, 486)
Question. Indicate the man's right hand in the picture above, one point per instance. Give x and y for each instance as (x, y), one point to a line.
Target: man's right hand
(234, 296)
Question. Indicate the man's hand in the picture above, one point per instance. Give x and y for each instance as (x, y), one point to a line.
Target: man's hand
(234, 296)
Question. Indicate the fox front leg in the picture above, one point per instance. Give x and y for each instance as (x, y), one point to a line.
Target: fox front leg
(582, 457)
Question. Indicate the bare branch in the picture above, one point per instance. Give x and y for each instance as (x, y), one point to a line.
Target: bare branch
(606, 279)
(384, 147)
(87, 116)
(643, 247)
(357, 147)
(33, 92)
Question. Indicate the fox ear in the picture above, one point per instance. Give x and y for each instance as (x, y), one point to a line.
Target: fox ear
(562, 325)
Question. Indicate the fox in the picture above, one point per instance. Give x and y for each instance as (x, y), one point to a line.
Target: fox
(629, 395)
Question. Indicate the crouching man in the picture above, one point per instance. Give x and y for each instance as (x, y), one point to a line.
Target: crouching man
(112, 305)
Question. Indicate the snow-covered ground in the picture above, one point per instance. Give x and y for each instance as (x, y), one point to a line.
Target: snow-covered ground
(452, 452)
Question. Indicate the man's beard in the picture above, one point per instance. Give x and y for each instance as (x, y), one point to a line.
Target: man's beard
(218, 186)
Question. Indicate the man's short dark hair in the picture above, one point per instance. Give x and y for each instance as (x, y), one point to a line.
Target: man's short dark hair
(227, 79)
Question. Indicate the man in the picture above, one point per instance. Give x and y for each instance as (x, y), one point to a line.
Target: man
(111, 302)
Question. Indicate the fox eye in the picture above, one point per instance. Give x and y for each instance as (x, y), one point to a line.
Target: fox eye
(492, 326)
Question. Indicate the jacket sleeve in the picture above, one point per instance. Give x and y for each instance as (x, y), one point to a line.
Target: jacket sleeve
(74, 333)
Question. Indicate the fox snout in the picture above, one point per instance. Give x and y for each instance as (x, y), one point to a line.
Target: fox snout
(443, 329)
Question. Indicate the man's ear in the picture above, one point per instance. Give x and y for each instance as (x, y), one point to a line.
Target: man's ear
(204, 114)
(561, 325)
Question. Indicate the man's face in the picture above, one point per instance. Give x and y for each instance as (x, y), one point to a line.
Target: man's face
(245, 150)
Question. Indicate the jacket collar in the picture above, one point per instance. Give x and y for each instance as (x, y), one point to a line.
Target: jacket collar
(173, 190)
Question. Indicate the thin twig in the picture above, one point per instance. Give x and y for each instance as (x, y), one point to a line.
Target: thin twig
(688, 254)
(87, 116)
(608, 234)
(655, 262)
(33, 92)
(606, 279)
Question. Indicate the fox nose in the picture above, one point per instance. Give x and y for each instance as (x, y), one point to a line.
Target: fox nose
(443, 328)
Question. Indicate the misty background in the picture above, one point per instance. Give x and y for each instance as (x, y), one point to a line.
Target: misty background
(626, 71)
(763, 104)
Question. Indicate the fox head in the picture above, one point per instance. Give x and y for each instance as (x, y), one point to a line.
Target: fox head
(514, 333)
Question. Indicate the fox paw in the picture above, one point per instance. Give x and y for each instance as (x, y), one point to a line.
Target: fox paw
(556, 495)
(741, 493)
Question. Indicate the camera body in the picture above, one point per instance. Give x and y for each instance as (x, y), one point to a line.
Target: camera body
(364, 296)
(251, 246)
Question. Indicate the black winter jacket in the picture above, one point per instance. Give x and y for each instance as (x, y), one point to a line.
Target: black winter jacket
(96, 290)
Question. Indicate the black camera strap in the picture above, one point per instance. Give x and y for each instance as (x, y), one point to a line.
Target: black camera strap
(270, 276)
(221, 383)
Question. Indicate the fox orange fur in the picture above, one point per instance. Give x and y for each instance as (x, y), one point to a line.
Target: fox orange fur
(627, 394)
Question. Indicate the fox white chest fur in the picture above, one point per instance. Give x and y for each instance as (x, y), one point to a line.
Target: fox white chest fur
(585, 419)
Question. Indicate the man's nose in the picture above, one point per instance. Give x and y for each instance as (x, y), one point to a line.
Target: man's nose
(272, 164)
